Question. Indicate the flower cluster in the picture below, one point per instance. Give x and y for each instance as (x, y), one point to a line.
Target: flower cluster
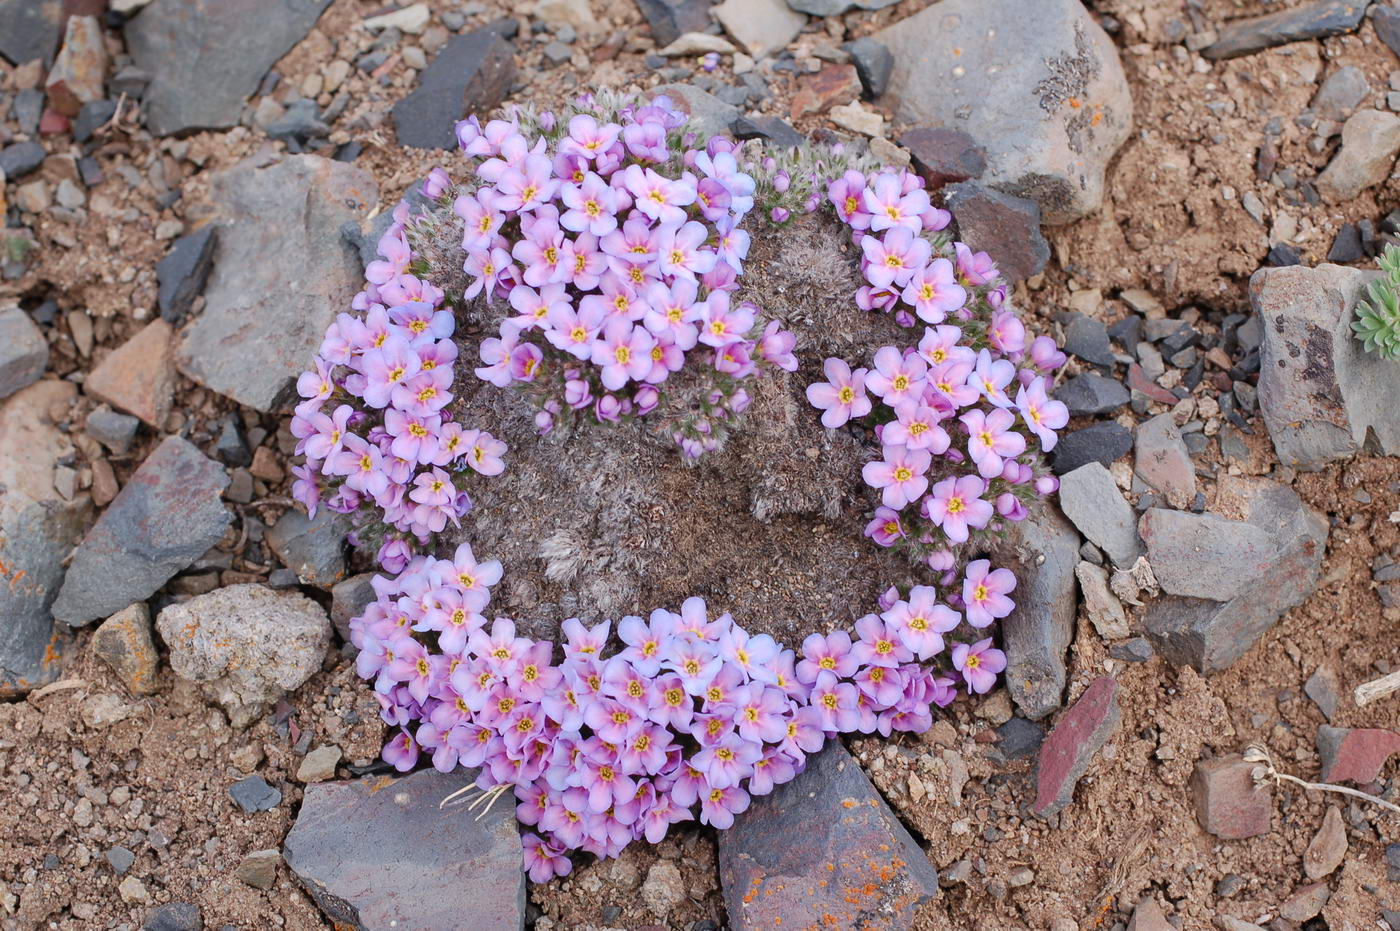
(964, 415)
(693, 712)
(617, 250)
(374, 423)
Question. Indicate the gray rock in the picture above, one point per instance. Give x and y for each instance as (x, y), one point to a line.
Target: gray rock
(1322, 688)
(771, 129)
(1019, 738)
(246, 644)
(1136, 650)
(1101, 442)
(1046, 53)
(1225, 582)
(378, 856)
(28, 109)
(253, 795)
(1102, 606)
(874, 64)
(708, 114)
(1322, 396)
(38, 528)
(1091, 499)
(259, 868)
(168, 515)
(1310, 21)
(177, 916)
(92, 117)
(113, 430)
(20, 159)
(1091, 393)
(762, 27)
(1347, 246)
(775, 869)
(1385, 17)
(472, 74)
(1087, 339)
(837, 7)
(1344, 90)
(314, 549)
(300, 123)
(944, 156)
(1043, 551)
(120, 859)
(184, 271)
(23, 351)
(1164, 462)
(1370, 140)
(669, 19)
(348, 600)
(283, 272)
(30, 29)
(1005, 227)
(206, 57)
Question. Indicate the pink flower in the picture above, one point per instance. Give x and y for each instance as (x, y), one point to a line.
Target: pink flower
(921, 621)
(847, 195)
(1006, 333)
(956, 505)
(623, 353)
(991, 440)
(835, 702)
(484, 452)
(680, 253)
(901, 475)
(722, 324)
(487, 266)
(950, 384)
(894, 259)
(776, 345)
(830, 653)
(673, 311)
(1043, 415)
(586, 138)
(890, 207)
(719, 806)
(934, 292)
(984, 593)
(879, 644)
(991, 378)
(657, 197)
(974, 268)
(525, 361)
(534, 306)
(842, 396)
(916, 427)
(528, 186)
(885, 528)
(592, 206)
(897, 377)
(979, 664)
(574, 331)
(939, 346)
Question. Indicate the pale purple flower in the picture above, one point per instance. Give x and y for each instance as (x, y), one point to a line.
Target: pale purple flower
(835, 703)
(956, 504)
(897, 377)
(985, 591)
(894, 259)
(776, 345)
(992, 440)
(544, 861)
(722, 324)
(719, 806)
(657, 197)
(401, 752)
(934, 292)
(885, 527)
(847, 195)
(921, 621)
(916, 426)
(680, 251)
(879, 644)
(1042, 414)
(623, 353)
(889, 206)
(991, 377)
(484, 452)
(728, 761)
(587, 138)
(842, 396)
(974, 268)
(527, 186)
(574, 331)
(901, 475)
(674, 312)
(979, 664)
(592, 206)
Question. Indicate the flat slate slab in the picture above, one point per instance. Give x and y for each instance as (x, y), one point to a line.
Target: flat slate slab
(823, 851)
(378, 853)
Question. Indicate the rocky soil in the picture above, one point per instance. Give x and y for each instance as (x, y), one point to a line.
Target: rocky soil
(1188, 193)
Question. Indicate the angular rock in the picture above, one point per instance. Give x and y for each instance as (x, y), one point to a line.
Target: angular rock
(1342, 92)
(259, 868)
(820, 92)
(1321, 687)
(1004, 226)
(1019, 738)
(837, 7)
(1087, 339)
(206, 57)
(1148, 916)
(20, 159)
(1385, 17)
(1321, 395)
(23, 351)
(1228, 802)
(776, 870)
(1225, 582)
(1354, 754)
(246, 644)
(169, 514)
(38, 528)
(768, 128)
(1103, 607)
(708, 114)
(319, 765)
(472, 74)
(114, 431)
(1090, 498)
(314, 549)
(1370, 140)
(92, 117)
(1043, 551)
(78, 71)
(138, 376)
(874, 64)
(183, 272)
(1163, 461)
(944, 156)
(1091, 393)
(1305, 902)
(762, 27)
(123, 641)
(669, 19)
(177, 916)
(282, 274)
(1071, 744)
(348, 600)
(1309, 21)
(1056, 112)
(412, 19)
(1328, 847)
(1347, 246)
(253, 795)
(1101, 442)
(30, 29)
(379, 853)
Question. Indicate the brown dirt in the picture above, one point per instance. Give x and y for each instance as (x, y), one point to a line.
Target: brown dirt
(157, 782)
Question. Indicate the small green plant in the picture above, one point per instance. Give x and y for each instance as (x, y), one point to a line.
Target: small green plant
(1377, 322)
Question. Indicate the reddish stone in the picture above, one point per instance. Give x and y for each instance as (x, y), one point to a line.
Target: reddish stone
(1306, 902)
(53, 123)
(1354, 754)
(944, 156)
(823, 851)
(1138, 381)
(1148, 916)
(77, 74)
(139, 376)
(1229, 804)
(1072, 743)
(833, 85)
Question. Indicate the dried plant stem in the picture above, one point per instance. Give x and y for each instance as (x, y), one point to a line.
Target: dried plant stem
(1258, 754)
(1368, 692)
(483, 800)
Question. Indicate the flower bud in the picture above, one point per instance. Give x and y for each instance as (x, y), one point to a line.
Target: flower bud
(647, 397)
(608, 409)
(1047, 485)
(781, 182)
